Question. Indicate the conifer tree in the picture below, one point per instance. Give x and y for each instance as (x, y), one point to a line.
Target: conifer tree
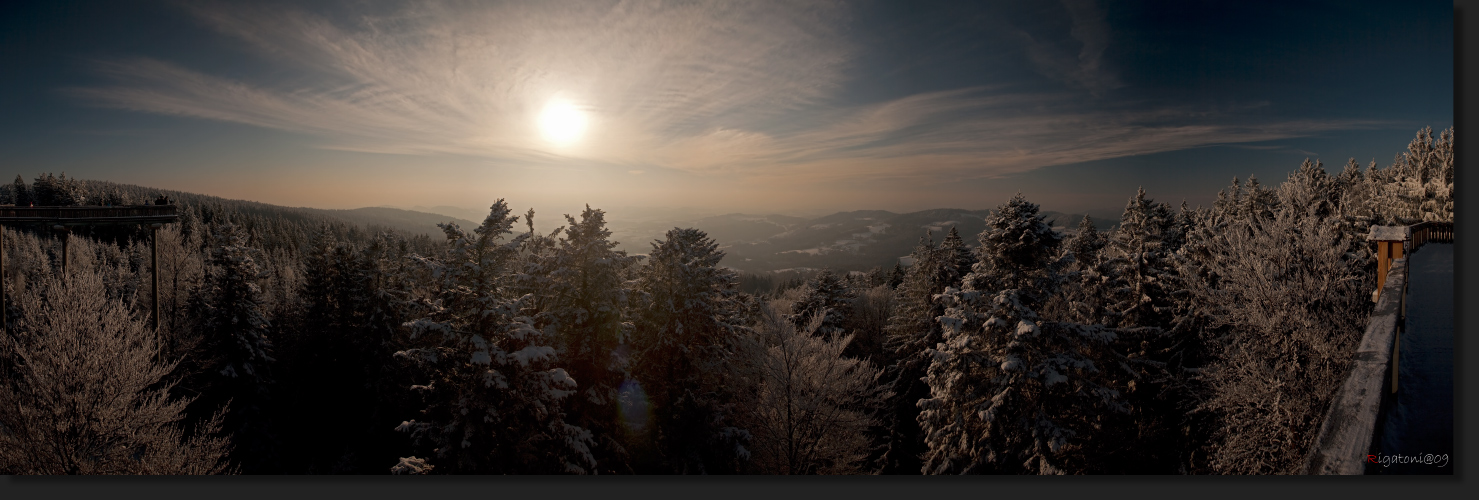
(21, 193)
(896, 275)
(1153, 325)
(958, 254)
(1010, 391)
(828, 295)
(1094, 277)
(493, 390)
(330, 366)
(912, 331)
(1419, 184)
(582, 303)
(236, 332)
(689, 326)
(1144, 246)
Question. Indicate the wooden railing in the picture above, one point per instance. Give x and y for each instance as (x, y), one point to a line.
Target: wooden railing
(62, 218)
(1435, 232)
(88, 214)
(1345, 436)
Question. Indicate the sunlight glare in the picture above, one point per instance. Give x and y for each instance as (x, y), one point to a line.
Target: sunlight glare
(561, 122)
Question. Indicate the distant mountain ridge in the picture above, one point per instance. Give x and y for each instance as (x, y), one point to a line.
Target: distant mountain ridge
(409, 221)
(853, 241)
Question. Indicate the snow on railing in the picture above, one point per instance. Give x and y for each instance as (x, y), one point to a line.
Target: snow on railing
(1345, 437)
(1346, 434)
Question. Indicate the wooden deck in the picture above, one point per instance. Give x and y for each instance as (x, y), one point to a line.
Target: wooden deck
(90, 216)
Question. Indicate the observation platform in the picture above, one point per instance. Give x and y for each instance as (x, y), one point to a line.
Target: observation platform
(1394, 412)
(1420, 420)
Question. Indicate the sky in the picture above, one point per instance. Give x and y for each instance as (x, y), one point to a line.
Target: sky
(757, 107)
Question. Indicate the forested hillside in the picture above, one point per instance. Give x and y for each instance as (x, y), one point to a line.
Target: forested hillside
(1186, 340)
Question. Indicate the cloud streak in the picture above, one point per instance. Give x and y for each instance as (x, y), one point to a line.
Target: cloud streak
(743, 89)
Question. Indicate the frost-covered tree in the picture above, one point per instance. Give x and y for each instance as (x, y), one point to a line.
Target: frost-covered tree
(235, 320)
(828, 294)
(581, 302)
(1289, 302)
(875, 277)
(1310, 190)
(1017, 251)
(1247, 200)
(911, 331)
(182, 277)
(1148, 304)
(493, 391)
(1086, 244)
(814, 405)
(85, 389)
(689, 328)
(1356, 193)
(1419, 184)
(871, 309)
(1258, 201)
(1092, 277)
(1010, 391)
(1143, 249)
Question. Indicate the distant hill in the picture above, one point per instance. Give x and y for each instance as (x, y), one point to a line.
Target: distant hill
(850, 241)
(409, 221)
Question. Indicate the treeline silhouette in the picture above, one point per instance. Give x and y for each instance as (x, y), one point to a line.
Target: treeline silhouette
(1187, 340)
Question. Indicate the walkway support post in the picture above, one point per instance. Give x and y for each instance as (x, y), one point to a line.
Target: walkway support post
(60, 229)
(154, 273)
(4, 314)
(1389, 247)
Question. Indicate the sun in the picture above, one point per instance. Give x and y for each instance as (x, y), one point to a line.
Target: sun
(562, 122)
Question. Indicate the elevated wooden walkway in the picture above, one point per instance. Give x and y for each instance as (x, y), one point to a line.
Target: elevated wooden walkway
(1360, 430)
(62, 218)
(89, 216)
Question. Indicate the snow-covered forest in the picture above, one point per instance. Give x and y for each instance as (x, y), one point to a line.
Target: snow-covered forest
(1188, 340)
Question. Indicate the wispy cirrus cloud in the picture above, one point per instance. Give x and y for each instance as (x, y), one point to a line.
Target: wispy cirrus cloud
(748, 89)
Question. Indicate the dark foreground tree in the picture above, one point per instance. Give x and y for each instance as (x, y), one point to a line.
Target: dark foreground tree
(689, 328)
(581, 302)
(490, 380)
(236, 336)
